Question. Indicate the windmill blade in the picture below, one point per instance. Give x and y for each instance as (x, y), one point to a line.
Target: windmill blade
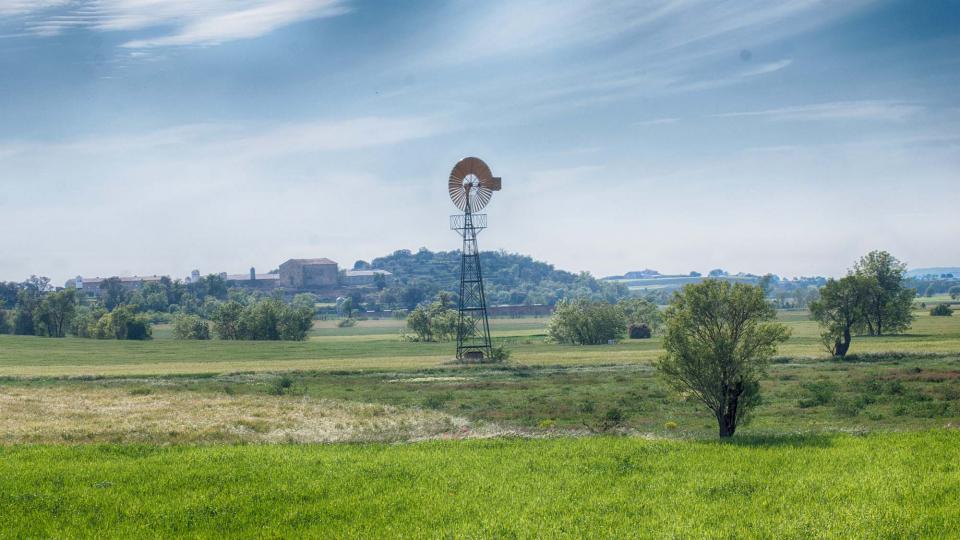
(472, 180)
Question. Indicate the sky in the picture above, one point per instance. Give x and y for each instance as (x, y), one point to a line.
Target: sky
(142, 137)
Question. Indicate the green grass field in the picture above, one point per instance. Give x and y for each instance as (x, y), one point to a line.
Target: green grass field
(186, 438)
(879, 486)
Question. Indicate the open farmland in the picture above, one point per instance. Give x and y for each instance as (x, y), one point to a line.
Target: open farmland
(206, 438)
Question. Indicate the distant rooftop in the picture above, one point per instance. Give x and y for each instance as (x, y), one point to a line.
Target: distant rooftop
(322, 260)
(246, 277)
(360, 273)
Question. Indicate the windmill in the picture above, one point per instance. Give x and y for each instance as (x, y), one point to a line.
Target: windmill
(471, 186)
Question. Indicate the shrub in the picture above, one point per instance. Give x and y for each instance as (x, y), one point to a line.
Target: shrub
(499, 353)
(190, 327)
(122, 323)
(671, 425)
(583, 322)
(347, 323)
(942, 310)
(639, 331)
(435, 322)
(818, 393)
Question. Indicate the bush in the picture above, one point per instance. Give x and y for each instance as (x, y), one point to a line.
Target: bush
(583, 322)
(121, 323)
(499, 353)
(818, 393)
(941, 310)
(347, 323)
(434, 322)
(639, 331)
(190, 327)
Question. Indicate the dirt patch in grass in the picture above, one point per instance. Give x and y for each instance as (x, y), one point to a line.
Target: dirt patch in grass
(60, 415)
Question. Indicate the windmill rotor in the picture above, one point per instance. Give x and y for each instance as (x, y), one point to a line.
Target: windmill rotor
(472, 182)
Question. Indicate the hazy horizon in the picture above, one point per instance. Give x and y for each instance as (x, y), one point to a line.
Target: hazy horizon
(158, 137)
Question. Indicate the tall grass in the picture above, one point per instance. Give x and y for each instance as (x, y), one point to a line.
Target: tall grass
(880, 486)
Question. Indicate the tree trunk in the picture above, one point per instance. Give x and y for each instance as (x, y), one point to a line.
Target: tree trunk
(842, 346)
(728, 417)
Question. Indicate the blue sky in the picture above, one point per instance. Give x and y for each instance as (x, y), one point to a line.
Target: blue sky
(150, 136)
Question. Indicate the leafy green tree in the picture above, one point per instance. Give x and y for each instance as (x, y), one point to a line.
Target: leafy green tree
(954, 292)
(264, 319)
(122, 323)
(941, 310)
(113, 292)
(436, 321)
(585, 322)
(719, 339)
(190, 327)
(55, 312)
(5, 325)
(840, 311)
(295, 323)
(8, 293)
(28, 300)
(305, 300)
(226, 320)
(887, 303)
(640, 311)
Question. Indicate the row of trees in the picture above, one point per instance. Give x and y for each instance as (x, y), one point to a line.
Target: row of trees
(586, 322)
(871, 299)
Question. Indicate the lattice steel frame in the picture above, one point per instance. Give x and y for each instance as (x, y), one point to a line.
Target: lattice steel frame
(473, 327)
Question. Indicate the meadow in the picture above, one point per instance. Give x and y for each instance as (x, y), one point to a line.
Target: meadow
(167, 437)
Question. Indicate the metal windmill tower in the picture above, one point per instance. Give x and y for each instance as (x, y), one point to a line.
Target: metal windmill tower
(471, 186)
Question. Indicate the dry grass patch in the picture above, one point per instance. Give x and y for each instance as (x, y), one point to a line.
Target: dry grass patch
(151, 415)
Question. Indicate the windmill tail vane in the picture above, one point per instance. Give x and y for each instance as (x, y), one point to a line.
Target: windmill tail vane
(471, 187)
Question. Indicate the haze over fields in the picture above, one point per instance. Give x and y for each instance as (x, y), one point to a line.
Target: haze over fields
(754, 136)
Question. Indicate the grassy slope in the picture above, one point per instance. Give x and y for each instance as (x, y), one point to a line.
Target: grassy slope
(890, 485)
(376, 345)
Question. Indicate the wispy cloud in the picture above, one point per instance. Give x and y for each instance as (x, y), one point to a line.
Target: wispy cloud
(174, 22)
(657, 122)
(737, 77)
(837, 110)
(247, 142)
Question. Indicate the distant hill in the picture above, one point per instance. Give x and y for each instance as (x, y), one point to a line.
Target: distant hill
(509, 278)
(934, 271)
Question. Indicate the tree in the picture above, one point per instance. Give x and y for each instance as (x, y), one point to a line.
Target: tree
(583, 322)
(719, 339)
(766, 282)
(887, 303)
(380, 281)
(55, 312)
(941, 310)
(8, 293)
(640, 312)
(113, 292)
(190, 327)
(123, 323)
(840, 310)
(954, 292)
(28, 300)
(226, 320)
(361, 265)
(436, 321)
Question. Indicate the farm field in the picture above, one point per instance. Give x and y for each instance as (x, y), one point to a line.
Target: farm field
(167, 437)
(377, 345)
